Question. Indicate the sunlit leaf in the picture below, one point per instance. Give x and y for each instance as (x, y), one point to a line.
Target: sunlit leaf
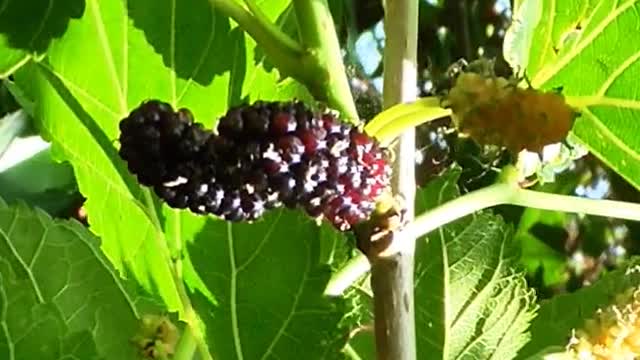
(471, 301)
(107, 62)
(591, 50)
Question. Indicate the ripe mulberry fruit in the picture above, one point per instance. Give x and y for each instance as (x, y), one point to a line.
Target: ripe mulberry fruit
(168, 151)
(160, 145)
(494, 111)
(309, 159)
(263, 155)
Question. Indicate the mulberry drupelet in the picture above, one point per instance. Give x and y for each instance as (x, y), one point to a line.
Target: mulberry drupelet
(263, 155)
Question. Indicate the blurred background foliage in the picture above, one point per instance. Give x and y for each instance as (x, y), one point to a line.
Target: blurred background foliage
(561, 252)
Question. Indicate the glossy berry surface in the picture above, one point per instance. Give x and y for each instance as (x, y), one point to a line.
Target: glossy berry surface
(263, 156)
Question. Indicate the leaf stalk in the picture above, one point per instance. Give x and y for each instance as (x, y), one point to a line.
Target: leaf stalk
(281, 49)
(327, 76)
(316, 62)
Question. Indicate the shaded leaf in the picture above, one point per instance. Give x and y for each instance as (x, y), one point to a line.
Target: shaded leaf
(268, 279)
(59, 296)
(591, 51)
(542, 235)
(27, 27)
(470, 300)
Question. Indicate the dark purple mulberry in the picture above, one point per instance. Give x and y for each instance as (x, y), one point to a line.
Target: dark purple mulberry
(311, 159)
(159, 145)
(263, 156)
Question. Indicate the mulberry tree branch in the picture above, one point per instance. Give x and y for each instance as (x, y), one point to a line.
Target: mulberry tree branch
(392, 276)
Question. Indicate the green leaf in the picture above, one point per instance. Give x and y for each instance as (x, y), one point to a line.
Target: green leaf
(363, 344)
(590, 49)
(28, 27)
(269, 279)
(59, 296)
(537, 255)
(111, 59)
(471, 302)
(563, 313)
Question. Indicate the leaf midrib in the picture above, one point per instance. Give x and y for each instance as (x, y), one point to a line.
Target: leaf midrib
(111, 66)
(233, 306)
(7, 236)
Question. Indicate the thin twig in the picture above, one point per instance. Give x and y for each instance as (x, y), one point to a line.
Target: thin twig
(493, 195)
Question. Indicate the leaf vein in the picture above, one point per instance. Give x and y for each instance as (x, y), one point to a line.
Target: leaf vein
(618, 72)
(16, 254)
(202, 58)
(547, 72)
(235, 330)
(104, 43)
(264, 240)
(294, 306)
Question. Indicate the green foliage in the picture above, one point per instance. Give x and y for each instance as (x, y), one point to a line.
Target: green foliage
(257, 289)
(59, 295)
(470, 300)
(542, 235)
(28, 27)
(538, 256)
(268, 282)
(170, 56)
(590, 50)
(174, 57)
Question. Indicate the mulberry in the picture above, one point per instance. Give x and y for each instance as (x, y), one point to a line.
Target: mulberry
(308, 159)
(613, 332)
(263, 156)
(160, 145)
(494, 111)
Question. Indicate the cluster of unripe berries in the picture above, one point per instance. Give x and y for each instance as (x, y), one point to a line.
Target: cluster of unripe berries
(263, 155)
(613, 332)
(493, 110)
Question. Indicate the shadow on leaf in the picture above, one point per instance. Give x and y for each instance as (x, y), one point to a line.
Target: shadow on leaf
(191, 37)
(32, 24)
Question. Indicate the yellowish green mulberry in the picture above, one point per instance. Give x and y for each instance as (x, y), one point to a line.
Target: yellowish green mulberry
(613, 333)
